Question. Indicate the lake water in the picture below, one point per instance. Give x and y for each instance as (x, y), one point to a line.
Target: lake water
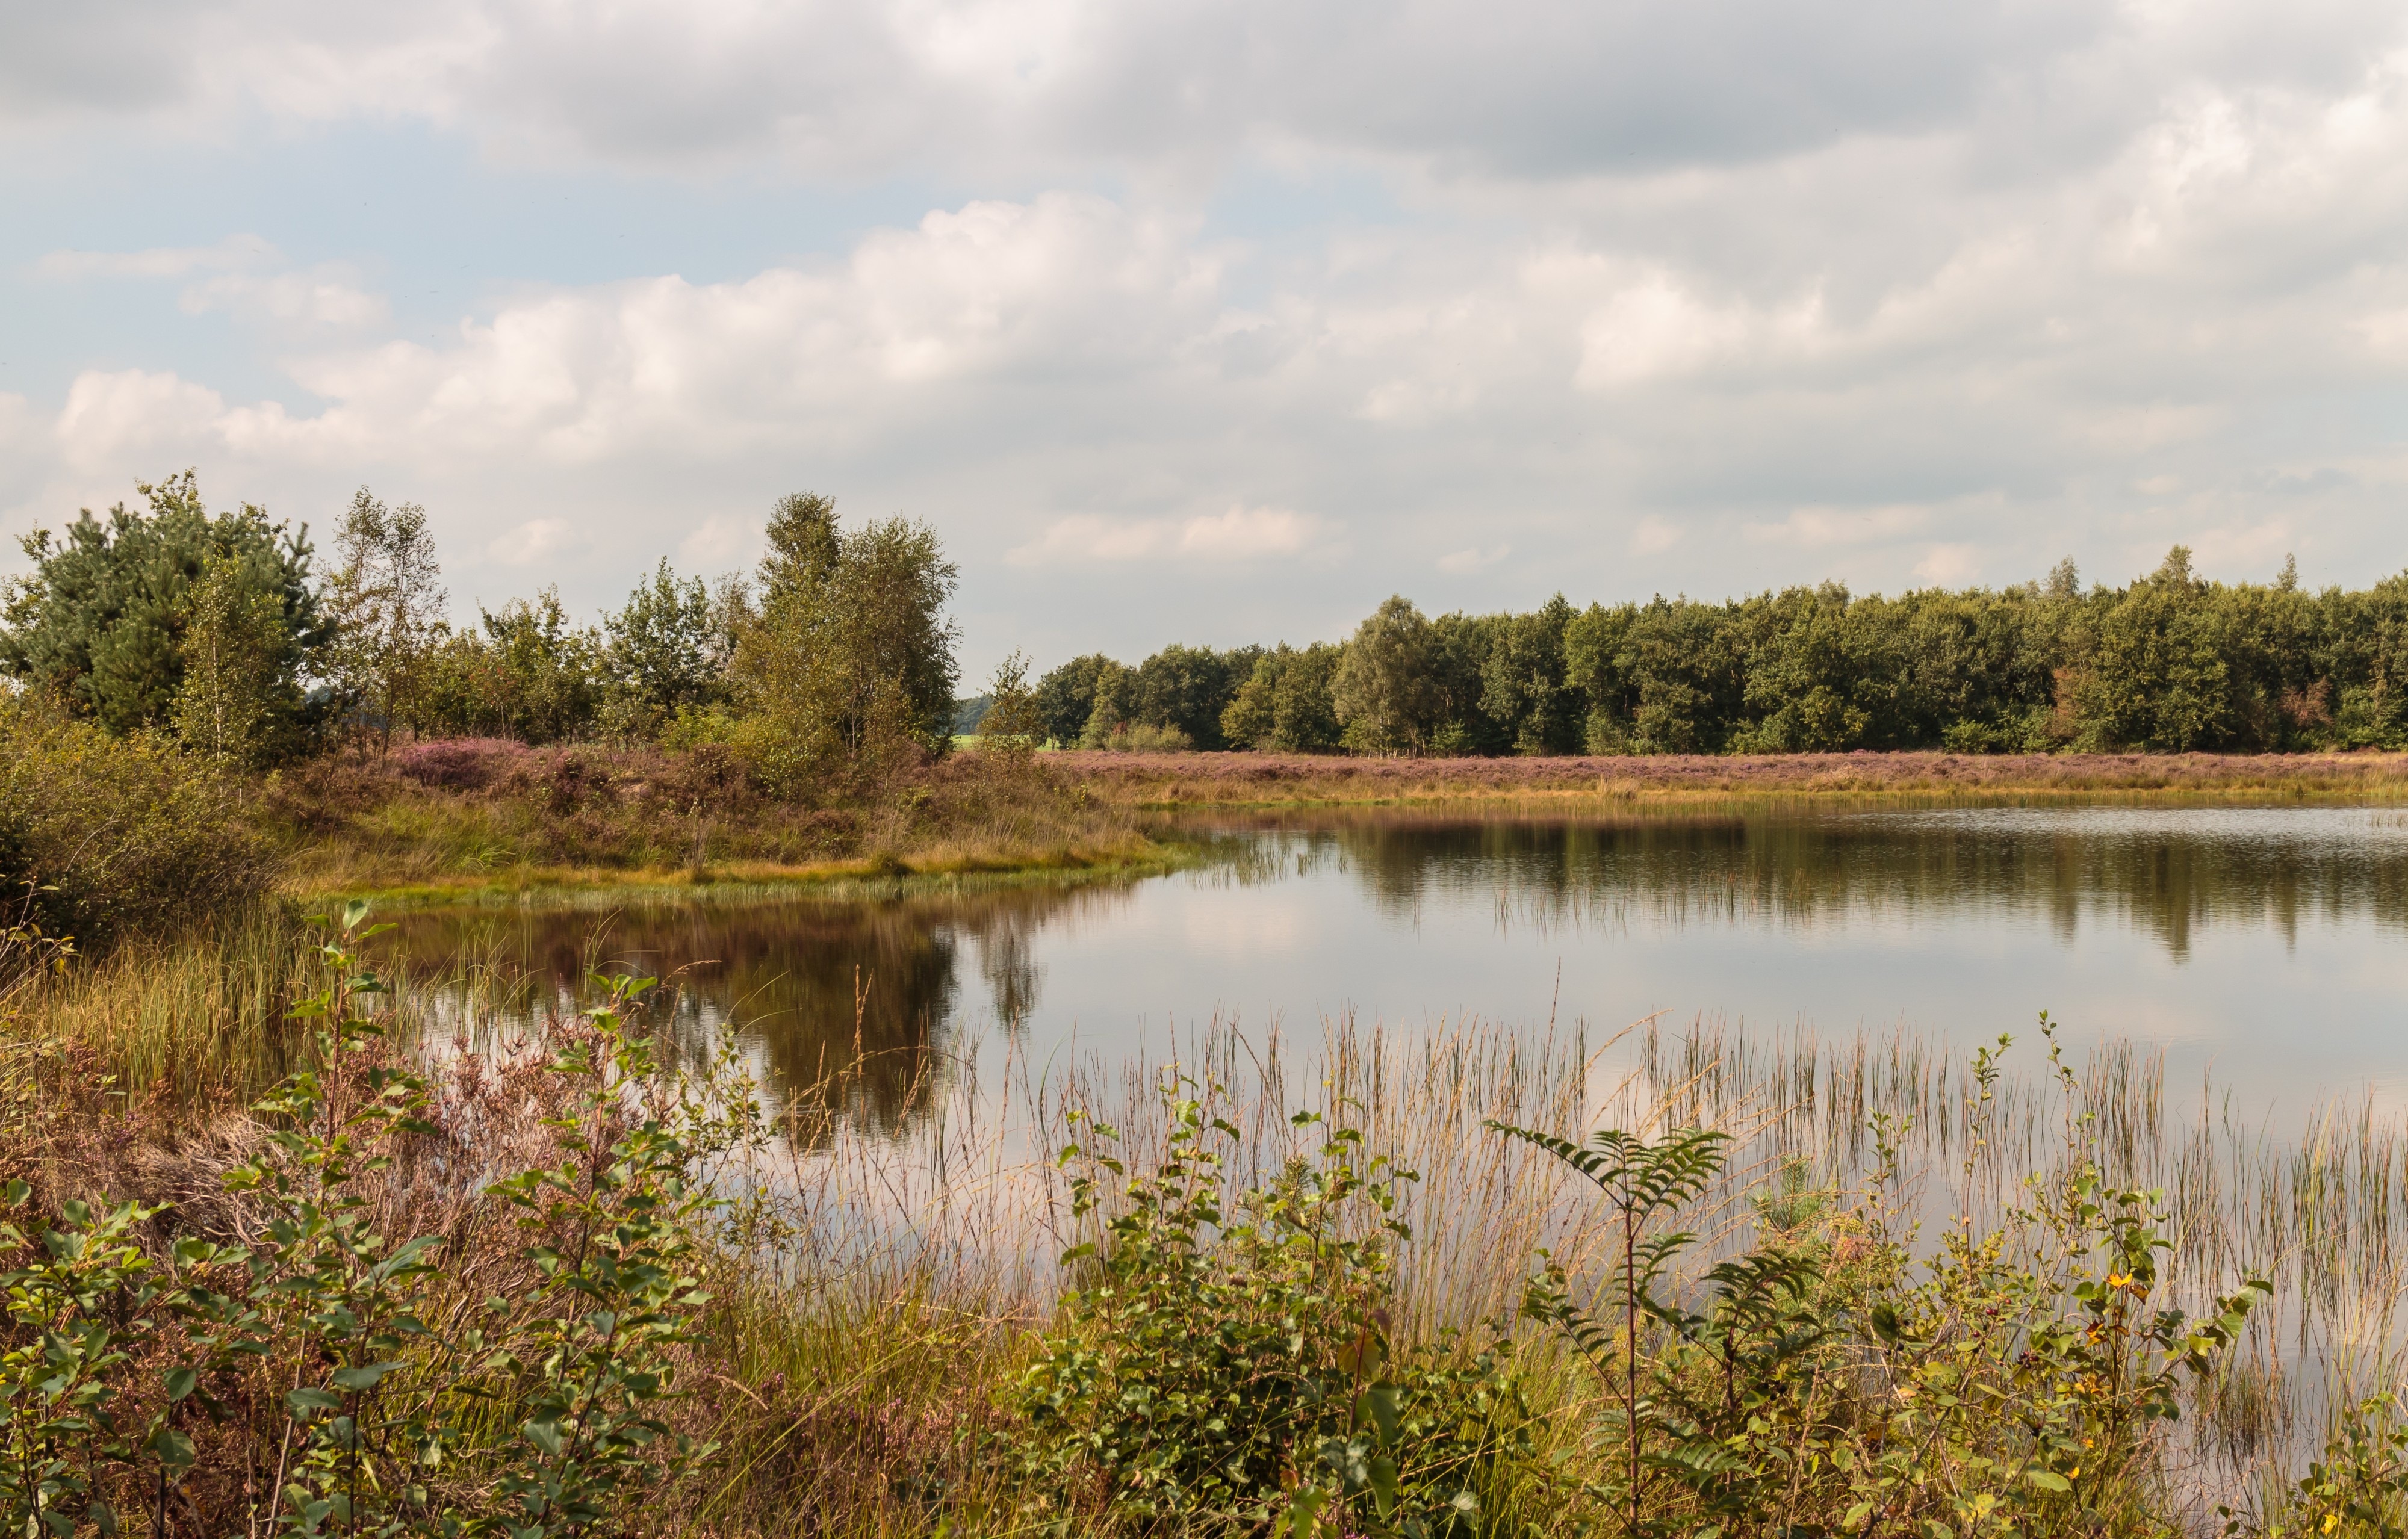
(2265, 946)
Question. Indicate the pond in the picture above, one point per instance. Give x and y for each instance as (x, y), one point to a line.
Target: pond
(2262, 946)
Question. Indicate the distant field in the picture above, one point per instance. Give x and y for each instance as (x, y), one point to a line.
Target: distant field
(1237, 778)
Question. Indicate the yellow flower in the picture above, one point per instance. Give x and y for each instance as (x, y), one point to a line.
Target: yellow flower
(2332, 1521)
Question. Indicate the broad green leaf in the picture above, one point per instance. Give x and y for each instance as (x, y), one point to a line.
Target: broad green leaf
(1384, 1484)
(1385, 1413)
(362, 1378)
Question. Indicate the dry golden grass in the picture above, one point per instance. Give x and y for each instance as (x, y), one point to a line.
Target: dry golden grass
(591, 817)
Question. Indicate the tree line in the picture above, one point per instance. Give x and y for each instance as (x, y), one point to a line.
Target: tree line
(219, 630)
(2168, 662)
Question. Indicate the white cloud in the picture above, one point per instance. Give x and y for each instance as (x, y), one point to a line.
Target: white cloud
(313, 300)
(2256, 547)
(1526, 86)
(1653, 329)
(233, 253)
(132, 416)
(241, 274)
(1241, 534)
(1896, 295)
(720, 544)
(1458, 562)
(530, 541)
(1653, 535)
(1817, 527)
(1949, 566)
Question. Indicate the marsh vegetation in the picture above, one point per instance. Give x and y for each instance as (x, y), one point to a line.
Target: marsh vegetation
(390, 1266)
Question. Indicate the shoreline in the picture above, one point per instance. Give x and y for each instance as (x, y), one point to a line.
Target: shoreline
(749, 881)
(1182, 788)
(1170, 782)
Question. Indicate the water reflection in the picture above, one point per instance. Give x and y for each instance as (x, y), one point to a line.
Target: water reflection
(2178, 925)
(2169, 871)
(855, 996)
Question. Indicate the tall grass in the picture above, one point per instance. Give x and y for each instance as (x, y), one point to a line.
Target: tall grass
(882, 1284)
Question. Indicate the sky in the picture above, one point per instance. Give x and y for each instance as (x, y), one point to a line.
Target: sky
(1220, 320)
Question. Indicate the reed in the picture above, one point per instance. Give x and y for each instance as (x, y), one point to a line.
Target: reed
(887, 1269)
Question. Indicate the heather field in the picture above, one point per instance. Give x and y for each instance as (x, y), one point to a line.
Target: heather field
(1183, 779)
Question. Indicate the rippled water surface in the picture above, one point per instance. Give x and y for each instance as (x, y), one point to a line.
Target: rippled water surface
(2266, 945)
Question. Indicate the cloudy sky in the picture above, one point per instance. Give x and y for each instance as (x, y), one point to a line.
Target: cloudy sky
(1221, 320)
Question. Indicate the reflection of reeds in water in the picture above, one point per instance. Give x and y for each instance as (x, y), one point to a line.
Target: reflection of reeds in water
(966, 1201)
(2321, 1214)
(946, 1223)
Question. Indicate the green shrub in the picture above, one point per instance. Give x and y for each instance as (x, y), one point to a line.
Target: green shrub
(344, 1343)
(1228, 1360)
(2016, 1383)
(98, 832)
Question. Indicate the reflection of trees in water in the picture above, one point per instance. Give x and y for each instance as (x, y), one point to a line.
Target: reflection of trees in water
(842, 1006)
(1749, 867)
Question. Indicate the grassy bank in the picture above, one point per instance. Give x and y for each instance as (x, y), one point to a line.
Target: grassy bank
(476, 820)
(1886, 1289)
(1183, 780)
(480, 821)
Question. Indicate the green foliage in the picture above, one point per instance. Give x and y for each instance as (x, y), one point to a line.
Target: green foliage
(1012, 722)
(2357, 1490)
(1188, 689)
(234, 696)
(851, 661)
(391, 1409)
(1177, 699)
(531, 674)
(669, 650)
(1228, 1359)
(1285, 705)
(1065, 697)
(1114, 711)
(2020, 1381)
(551, 671)
(101, 622)
(325, 1284)
(1524, 682)
(103, 834)
(1644, 1183)
(62, 1435)
(387, 609)
(2169, 663)
(1383, 694)
(2160, 677)
(610, 1233)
